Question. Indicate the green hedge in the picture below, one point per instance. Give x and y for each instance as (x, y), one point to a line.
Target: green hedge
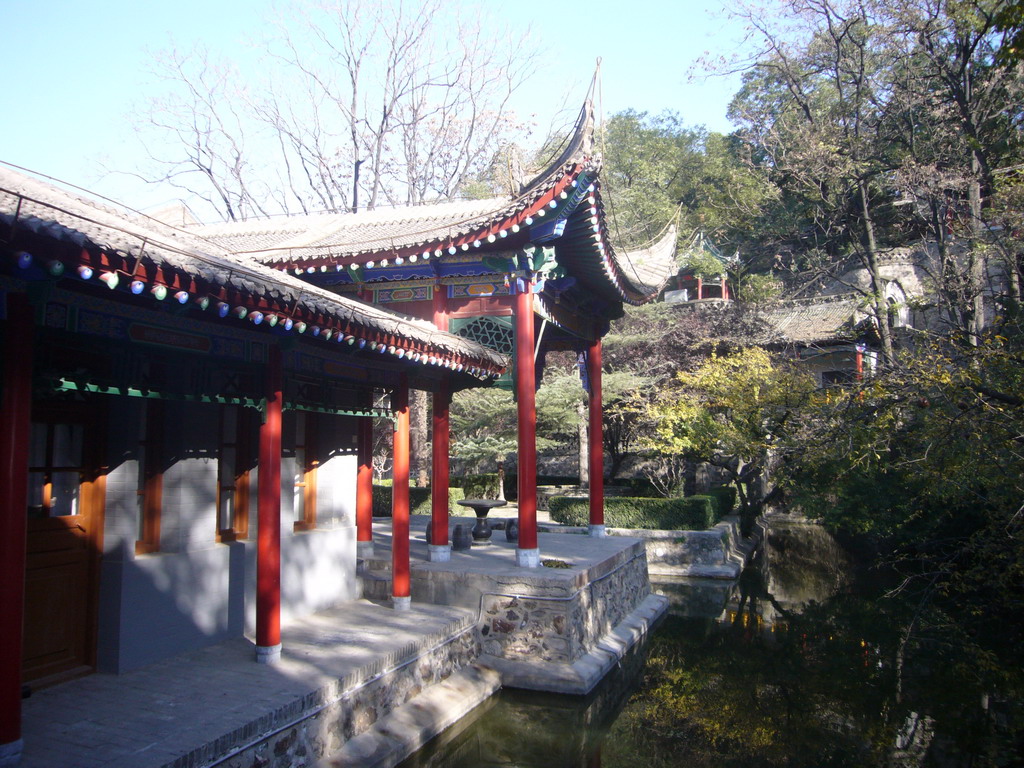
(419, 500)
(512, 482)
(693, 513)
(725, 497)
(486, 486)
(640, 486)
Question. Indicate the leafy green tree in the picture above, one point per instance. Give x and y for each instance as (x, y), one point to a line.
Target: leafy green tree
(732, 412)
(926, 458)
(483, 429)
(656, 169)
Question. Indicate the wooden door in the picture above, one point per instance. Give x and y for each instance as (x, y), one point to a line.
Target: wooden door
(65, 518)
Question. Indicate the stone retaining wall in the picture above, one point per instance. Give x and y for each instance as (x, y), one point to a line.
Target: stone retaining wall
(718, 553)
(319, 724)
(563, 621)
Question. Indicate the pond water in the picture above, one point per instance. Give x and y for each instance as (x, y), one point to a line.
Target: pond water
(801, 663)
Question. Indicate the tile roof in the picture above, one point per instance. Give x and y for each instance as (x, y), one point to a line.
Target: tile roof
(338, 235)
(652, 265)
(806, 321)
(320, 240)
(40, 207)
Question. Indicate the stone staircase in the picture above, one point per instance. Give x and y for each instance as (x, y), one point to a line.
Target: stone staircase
(374, 576)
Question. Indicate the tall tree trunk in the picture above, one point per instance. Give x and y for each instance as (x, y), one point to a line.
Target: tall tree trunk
(978, 266)
(418, 440)
(879, 303)
(584, 445)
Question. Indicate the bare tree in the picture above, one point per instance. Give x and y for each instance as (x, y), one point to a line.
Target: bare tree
(360, 103)
(813, 106)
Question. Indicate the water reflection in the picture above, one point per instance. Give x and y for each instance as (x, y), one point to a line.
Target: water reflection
(801, 663)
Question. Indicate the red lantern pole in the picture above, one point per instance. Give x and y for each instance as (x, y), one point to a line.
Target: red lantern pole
(15, 431)
(527, 552)
(400, 580)
(595, 436)
(268, 535)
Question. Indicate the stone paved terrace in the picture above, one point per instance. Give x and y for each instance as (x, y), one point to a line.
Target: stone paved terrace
(203, 708)
(184, 710)
(558, 629)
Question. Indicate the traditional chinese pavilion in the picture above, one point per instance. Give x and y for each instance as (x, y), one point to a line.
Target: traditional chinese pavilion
(186, 417)
(522, 275)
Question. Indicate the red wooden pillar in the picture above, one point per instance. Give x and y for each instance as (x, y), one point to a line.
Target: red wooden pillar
(364, 485)
(858, 362)
(439, 549)
(527, 553)
(268, 535)
(400, 592)
(725, 289)
(700, 288)
(15, 429)
(596, 438)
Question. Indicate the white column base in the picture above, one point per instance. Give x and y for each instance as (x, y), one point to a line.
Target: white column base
(268, 654)
(10, 753)
(364, 549)
(528, 558)
(439, 553)
(597, 531)
(401, 603)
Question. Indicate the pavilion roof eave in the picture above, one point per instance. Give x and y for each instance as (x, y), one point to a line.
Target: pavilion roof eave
(357, 244)
(136, 249)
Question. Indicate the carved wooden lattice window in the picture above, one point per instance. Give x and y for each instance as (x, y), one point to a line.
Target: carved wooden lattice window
(495, 332)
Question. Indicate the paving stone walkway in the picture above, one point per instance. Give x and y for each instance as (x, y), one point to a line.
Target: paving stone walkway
(165, 712)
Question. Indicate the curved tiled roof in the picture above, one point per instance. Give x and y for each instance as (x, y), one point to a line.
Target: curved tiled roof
(819, 319)
(321, 241)
(35, 205)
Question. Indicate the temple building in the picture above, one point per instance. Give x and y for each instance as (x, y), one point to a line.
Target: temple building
(186, 418)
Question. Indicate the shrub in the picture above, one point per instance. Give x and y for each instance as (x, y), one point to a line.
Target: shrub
(693, 513)
(486, 486)
(640, 486)
(726, 498)
(512, 483)
(419, 500)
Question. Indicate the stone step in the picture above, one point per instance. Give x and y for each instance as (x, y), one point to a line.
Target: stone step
(374, 584)
(374, 564)
(397, 735)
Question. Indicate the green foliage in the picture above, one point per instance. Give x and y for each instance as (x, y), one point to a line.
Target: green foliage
(752, 288)
(639, 486)
(483, 427)
(656, 167)
(693, 513)
(419, 500)
(730, 412)
(484, 486)
(700, 262)
(926, 458)
(725, 499)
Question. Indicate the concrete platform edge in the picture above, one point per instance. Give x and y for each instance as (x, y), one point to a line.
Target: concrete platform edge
(580, 677)
(409, 727)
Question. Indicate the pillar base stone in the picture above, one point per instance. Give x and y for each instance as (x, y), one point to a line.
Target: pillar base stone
(268, 654)
(528, 558)
(10, 753)
(439, 553)
(597, 531)
(364, 549)
(401, 603)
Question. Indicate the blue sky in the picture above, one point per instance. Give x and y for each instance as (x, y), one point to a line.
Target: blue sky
(77, 68)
